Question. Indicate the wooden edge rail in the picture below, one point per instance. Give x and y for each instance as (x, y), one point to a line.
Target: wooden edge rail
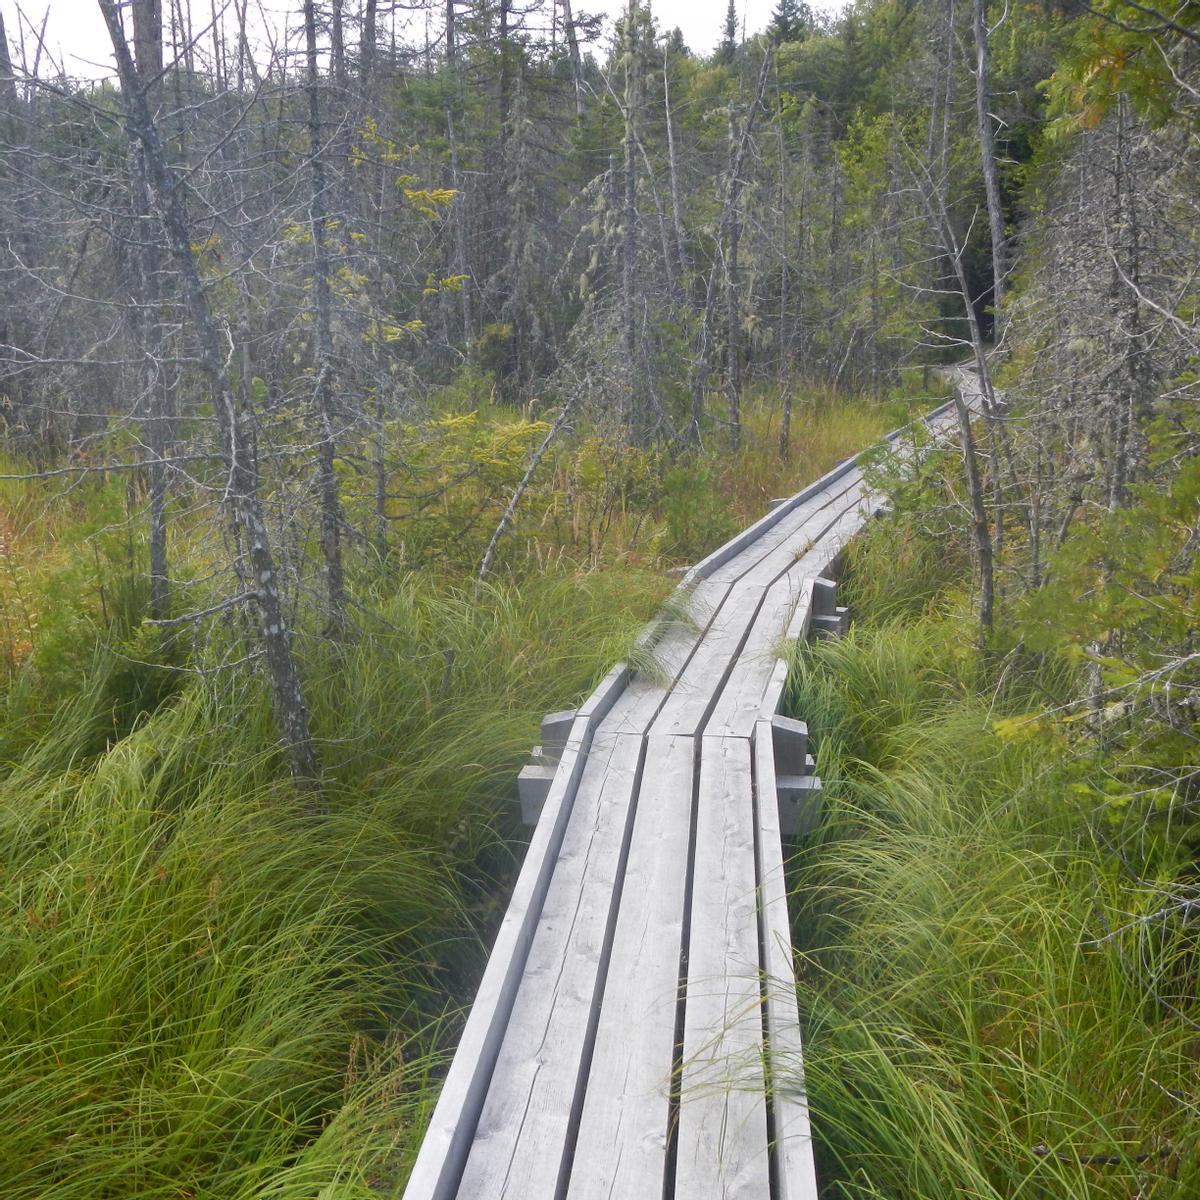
(443, 1152)
(793, 1171)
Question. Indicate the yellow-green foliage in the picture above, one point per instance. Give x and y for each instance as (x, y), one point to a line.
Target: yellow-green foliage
(592, 503)
(65, 559)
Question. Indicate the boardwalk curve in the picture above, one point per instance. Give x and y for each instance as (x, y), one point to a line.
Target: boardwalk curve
(636, 1033)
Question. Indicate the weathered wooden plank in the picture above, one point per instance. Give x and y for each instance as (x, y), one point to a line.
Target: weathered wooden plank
(801, 527)
(443, 1152)
(673, 644)
(940, 418)
(697, 691)
(522, 1138)
(794, 1171)
(621, 1149)
(722, 1148)
(707, 566)
(744, 694)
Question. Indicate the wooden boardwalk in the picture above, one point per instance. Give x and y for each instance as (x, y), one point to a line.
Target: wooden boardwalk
(635, 1035)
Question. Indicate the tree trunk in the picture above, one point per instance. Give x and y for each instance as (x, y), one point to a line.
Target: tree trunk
(573, 50)
(1133, 380)
(337, 44)
(147, 40)
(8, 83)
(733, 192)
(326, 448)
(673, 168)
(633, 415)
(987, 151)
(366, 49)
(733, 301)
(979, 518)
(505, 70)
(461, 265)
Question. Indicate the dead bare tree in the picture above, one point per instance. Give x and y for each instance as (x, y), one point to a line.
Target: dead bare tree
(332, 517)
(240, 468)
(987, 154)
(740, 134)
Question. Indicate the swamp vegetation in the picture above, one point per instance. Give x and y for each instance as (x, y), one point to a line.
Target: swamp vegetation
(363, 390)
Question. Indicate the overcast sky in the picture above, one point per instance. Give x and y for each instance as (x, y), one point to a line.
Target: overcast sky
(76, 31)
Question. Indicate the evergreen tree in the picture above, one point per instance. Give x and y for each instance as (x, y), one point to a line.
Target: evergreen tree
(729, 39)
(790, 22)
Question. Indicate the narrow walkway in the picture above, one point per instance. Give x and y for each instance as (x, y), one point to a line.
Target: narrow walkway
(636, 1035)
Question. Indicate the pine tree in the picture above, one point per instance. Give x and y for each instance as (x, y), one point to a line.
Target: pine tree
(790, 22)
(729, 36)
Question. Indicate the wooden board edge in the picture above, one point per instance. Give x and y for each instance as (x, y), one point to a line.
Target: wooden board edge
(447, 1140)
(794, 1168)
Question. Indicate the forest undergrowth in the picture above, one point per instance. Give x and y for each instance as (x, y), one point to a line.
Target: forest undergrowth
(997, 990)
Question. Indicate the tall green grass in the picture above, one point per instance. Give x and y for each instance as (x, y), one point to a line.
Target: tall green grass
(207, 992)
(987, 1010)
(204, 990)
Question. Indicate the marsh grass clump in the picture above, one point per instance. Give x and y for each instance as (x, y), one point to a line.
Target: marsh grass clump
(996, 1001)
(208, 991)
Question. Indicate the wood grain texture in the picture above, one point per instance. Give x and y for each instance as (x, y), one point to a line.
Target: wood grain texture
(622, 1145)
(436, 1173)
(573, 1027)
(522, 1137)
(795, 1172)
(722, 1152)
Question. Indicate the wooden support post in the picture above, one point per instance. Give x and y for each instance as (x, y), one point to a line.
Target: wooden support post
(797, 788)
(799, 803)
(824, 596)
(533, 783)
(533, 786)
(556, 728)
(828, 618)
(789, 738)
(833, 625)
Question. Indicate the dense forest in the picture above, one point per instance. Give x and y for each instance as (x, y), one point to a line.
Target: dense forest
(360, 395)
